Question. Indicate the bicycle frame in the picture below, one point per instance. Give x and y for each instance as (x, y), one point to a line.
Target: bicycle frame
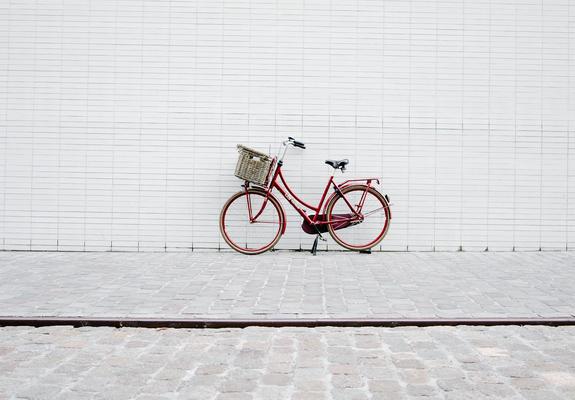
(298, 204)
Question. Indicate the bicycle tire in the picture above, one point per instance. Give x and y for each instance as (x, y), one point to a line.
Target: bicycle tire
(381, 234)
(225, 229)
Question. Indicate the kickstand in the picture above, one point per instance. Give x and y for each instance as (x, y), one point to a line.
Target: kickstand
(314, 247)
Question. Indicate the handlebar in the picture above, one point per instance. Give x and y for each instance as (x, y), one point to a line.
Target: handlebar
(296, 143)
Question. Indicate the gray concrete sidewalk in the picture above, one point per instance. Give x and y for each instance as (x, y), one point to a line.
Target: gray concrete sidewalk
(288, 285)
(474, 363)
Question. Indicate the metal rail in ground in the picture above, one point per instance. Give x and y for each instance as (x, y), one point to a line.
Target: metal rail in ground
(199, 323)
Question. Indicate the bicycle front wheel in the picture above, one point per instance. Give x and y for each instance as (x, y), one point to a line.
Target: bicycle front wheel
(253, 236)
(362, 233)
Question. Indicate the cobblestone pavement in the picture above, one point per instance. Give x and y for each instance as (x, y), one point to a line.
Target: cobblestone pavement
(288, 363)
(288, 285)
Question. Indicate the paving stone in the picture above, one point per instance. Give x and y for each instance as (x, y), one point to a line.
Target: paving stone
(310, 385)
(196, 393)
(203, 380)
(211, 369)
(540, 395)
(446, 372)
(309, 396)
(237, 386)
(408, 363)
(346, 381)
(527, 383)
(275, 367)
(453, 384)
(248, 358)
(349, 394)
(497, 390)
(421, 390)
(347, 369)
(414, 376)
(234, 396)
(67, 395)
(39, 391)
(384, 385)
(277, 379)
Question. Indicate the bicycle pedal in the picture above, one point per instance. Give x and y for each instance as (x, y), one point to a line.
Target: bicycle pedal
(322, 239)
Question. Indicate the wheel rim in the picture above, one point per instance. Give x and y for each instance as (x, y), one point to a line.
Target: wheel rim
(366, 233)
(246, 236)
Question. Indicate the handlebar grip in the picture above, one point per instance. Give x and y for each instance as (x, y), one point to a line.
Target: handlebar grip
(297, 143)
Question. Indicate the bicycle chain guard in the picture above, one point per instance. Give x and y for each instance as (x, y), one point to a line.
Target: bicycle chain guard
(340, 221)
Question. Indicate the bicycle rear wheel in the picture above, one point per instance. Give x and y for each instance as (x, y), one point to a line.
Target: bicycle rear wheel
(256, 236)
(362, 233)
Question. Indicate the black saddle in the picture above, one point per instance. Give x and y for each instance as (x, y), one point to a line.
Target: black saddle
(338, 164)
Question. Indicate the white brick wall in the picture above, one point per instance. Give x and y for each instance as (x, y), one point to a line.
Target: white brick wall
(119, 118)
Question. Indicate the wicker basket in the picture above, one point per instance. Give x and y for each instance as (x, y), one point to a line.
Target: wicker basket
(253, 166)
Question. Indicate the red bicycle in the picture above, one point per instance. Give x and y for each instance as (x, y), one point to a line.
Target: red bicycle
(252, 221)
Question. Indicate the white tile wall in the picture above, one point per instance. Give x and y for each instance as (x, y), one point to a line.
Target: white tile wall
(119, 118)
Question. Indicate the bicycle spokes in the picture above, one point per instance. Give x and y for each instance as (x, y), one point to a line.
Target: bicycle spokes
(377, 210)
(248, 232)
(340, 221)
(368, 227)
